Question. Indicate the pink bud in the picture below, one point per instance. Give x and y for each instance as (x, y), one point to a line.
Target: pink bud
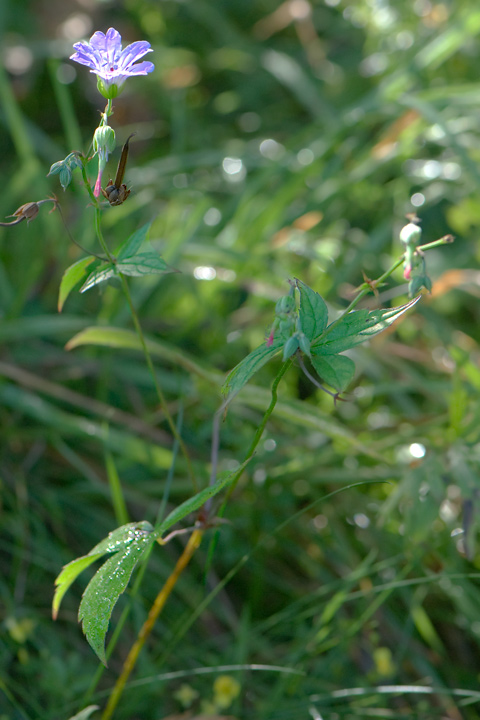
(270, 338)
(97, 188)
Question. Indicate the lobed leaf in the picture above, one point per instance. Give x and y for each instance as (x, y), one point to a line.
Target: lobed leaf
(128, 340)
(196, 502)
(245, 369)
(132, 245)
(104, 272)
(115, 541)
(110, 581)
(106, 586)
(71, 277)
(356, 327)
(313, 312)
(149, 263)
(335, 370)
(70, 573)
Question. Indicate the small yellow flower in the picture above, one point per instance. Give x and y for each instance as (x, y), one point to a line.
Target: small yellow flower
(384, 664)
(225, 690)
(207, 708)
(20, 630)
(185, 695)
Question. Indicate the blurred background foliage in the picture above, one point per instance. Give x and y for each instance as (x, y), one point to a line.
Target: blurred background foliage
(274, 140)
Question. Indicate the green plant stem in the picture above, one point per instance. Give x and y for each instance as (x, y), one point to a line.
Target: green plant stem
(259, 432)
(101, 239)
(245, 558)
(141, 337)
(258, 435)
(190, 549)
(88, 188)
(366, 287)
(256, 439)
(160, 395)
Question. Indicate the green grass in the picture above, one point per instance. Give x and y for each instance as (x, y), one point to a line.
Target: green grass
(318, 589)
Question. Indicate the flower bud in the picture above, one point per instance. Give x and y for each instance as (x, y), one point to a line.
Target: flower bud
(418, 283)
(103, 144)
(271, 336)
(104, 140)
(74, 160)
(410, 234)
(285, 305)
(304, 343)
(28, 212)
(290, 347)
(65, 168)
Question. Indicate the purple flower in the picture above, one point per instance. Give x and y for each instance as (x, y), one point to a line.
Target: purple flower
(105, 57)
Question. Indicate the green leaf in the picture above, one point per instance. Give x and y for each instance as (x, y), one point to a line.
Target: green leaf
(332, 342)
(122, 536)
(356, 327)
(70, 573)
(313, 312)
(245, 369)
(128, 340)
(196, 502)
(116, 540)
(131, 541)
(85, 713)
(104, 272)
(131, 246)
(149, 263)
(107, 337)
(26, 328)
(128, 543)
(71, 277)
(335, 370)
(106, 586)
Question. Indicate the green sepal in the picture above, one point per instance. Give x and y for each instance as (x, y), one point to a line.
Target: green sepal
(109, 91)
(290, 347)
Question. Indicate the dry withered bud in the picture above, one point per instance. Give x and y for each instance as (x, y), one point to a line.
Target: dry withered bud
(117, 192)
(28, 211)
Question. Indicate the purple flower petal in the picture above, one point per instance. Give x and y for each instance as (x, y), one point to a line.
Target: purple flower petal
(85, 55)
(105, 57)
(109, 45)
(142, 68)
(134, 52)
